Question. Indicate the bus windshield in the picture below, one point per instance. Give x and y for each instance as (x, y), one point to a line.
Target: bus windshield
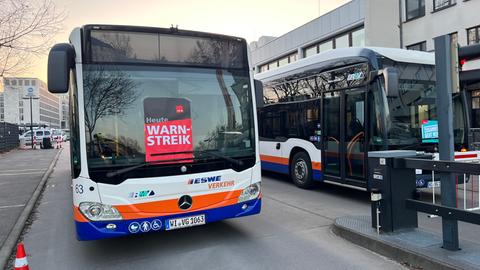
(164, 115)
(415, 107)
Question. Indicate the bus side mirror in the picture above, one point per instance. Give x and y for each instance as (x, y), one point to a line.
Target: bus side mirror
(258, 93)
(60, 60)
(390, 75)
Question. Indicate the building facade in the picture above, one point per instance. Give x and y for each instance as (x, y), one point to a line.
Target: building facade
(424, 20)
(64, 111)
(16, 103)
(410, 24)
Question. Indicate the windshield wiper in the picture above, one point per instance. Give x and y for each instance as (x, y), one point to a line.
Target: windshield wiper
(127, 169)
(219, 155)
(144, 164)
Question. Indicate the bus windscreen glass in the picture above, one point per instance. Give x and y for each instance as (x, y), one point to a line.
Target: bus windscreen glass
(165, 115)
(413, 114)
(155, 48)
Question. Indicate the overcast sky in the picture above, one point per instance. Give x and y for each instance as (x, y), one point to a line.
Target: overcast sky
(249, 19)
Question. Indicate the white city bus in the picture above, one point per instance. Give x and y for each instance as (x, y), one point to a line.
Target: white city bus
(163, 128)
(322, 114)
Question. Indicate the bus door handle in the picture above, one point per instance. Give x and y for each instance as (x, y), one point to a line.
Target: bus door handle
(277, 146)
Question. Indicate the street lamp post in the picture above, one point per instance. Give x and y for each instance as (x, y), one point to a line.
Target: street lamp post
(30, 97)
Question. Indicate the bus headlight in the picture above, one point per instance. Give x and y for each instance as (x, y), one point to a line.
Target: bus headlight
(249, 193)
(99, 212)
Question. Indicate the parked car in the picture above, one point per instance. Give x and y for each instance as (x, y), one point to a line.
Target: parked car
(56, 133)
(67, 134)
(39, 134)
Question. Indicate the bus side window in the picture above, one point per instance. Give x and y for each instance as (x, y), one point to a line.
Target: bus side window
(376, 142)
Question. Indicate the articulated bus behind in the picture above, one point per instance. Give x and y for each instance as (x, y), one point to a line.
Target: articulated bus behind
(321, 115)
(163, 128)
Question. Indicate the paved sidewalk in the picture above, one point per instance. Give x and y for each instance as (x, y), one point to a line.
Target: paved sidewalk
(20, 174)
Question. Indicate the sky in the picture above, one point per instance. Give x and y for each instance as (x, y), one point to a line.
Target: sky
(249, 19)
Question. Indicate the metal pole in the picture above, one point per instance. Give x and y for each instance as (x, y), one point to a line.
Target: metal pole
(400, 23)
(31, 122)
(465, 191)
(443, 70)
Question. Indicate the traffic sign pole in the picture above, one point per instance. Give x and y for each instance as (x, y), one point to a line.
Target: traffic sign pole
(444, 78)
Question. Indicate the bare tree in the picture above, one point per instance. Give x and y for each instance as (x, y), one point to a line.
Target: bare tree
(107, 46)
(220, 53)
(107, 92)
(27, 28)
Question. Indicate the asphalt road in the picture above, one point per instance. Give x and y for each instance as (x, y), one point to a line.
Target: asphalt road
(20, 173)
(292, 232)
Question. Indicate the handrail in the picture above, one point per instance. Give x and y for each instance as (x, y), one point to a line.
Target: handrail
(438, 165)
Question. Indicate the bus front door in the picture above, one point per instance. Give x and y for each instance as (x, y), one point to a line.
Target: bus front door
(344, 147)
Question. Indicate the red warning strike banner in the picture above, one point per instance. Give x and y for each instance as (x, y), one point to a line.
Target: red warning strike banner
(168, 130)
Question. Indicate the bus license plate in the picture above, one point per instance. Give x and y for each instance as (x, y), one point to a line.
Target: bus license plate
(178, 223)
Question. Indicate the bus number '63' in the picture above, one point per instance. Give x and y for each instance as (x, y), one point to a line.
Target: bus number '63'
(79, 189)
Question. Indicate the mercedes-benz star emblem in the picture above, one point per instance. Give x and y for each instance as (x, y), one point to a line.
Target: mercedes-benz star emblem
(185, 202)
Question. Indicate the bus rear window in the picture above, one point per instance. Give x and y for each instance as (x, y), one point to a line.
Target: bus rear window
(156, 48)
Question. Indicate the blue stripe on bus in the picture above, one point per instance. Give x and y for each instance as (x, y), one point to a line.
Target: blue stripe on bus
(97, 230)
(275, 167)
(317, 175)
(280, 168)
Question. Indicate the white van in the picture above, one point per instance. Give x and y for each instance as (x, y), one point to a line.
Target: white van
(39, 134)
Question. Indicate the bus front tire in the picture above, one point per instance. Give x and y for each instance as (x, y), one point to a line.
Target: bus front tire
(301, 170)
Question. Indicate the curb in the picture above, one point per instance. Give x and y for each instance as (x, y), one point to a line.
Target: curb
(394, 252)
(17, 229)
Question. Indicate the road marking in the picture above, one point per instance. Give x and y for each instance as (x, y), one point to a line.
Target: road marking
(12, 206)
(23, 170)
(299, 208)
(20, 173)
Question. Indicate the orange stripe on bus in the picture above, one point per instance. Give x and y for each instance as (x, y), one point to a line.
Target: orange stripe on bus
(285, 161)
(316, 165)
(170, 207)
(78, 216)
(273, 159)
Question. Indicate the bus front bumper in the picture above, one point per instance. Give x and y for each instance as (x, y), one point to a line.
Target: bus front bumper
(94, 230)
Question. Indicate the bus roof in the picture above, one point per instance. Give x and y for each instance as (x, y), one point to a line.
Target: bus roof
(313, 61)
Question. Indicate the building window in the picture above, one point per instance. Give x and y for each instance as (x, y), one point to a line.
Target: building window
(358, 38)
(14, 82)
(27, 82)
(272, 65)
(472, 35)
(283, 61)
(7, 82)
(421, 46)
(414, 9)
(454, 37)
(312, 50)
(342, 42)
(326, 46)
(292, 57)
(441, 4)
(34, 83)
(263, 68)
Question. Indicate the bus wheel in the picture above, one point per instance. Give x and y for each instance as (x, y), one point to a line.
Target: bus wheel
(301, 170)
